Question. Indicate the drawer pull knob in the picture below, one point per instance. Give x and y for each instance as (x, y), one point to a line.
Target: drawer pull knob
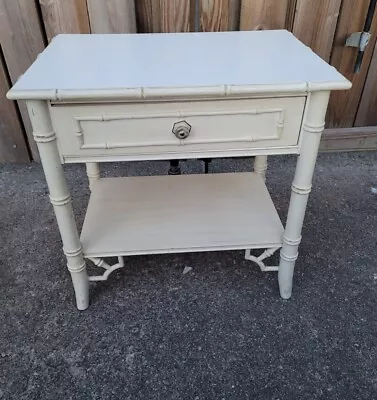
(181, 129)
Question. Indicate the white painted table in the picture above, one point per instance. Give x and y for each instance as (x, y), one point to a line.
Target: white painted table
(97, 98)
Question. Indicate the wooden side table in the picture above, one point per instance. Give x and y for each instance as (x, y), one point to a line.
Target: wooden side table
(107, 98)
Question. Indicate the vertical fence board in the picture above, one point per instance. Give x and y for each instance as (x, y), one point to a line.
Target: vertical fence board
(148, 15)
(343, 104)
(263, 14)
(291, 13)
(367, 112)
(315, 24)
(112, 16)
(22, 40)
(64, 16)
(163, 15)
(12, 142)
(234, 15)
(215, 15)
(175, 15)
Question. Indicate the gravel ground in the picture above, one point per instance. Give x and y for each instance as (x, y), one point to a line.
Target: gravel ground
(218, 332)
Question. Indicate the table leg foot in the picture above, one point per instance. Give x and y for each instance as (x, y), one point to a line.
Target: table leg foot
(285, 277)
(60, 198)
(312, 128)
(81, 286)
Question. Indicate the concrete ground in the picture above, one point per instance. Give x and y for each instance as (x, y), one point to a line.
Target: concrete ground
(218, 332)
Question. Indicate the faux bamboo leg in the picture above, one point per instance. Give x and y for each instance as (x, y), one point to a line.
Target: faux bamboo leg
(311, 134)
(93, 172)
(60, 199)
(260, 166)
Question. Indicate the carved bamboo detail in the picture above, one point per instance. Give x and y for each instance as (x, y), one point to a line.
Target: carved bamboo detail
(314, 122)
(60, 198)
(260, 166)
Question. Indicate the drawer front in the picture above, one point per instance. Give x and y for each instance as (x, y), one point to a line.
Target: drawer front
(153, 128)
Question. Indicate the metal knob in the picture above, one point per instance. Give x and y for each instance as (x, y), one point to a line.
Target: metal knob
(181, 129)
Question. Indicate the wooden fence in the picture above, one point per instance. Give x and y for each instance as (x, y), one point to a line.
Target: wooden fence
(26, 27)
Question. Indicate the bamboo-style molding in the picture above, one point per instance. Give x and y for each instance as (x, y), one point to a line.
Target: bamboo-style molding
(312, 128)
(292, 242)
(79, 130)
(259, 260)
(72, 253)
(99, 262)
(125, 145)
(179, 92)
(48, 137)
(169, 155)
(260, 166)
(60, 198)
(56, 201)
(302, 190)
(178, 114)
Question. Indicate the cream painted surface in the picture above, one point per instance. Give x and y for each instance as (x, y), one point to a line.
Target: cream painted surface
(121, 129)
(217, 83)
(183, 156)
(103, 65)
(60, 198)
(170, 214)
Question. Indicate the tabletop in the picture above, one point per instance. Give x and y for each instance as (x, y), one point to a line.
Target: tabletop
(74, 64)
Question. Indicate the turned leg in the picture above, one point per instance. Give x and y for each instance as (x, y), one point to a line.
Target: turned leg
(174, 169)
(301, 186)
(60, 199)
(260, 166)
(93, 172)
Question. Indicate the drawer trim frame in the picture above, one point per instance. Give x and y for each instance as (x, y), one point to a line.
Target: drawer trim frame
(120, 117)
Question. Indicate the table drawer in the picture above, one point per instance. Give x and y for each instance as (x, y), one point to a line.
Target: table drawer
(161, 127)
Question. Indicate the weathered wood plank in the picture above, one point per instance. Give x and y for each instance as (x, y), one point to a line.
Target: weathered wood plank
(315, 23)
(175, 15)
(112, 16)
(263, 14)
(64, 16)
(148, 16)
(367, 111)
(343, 104)
(349, 139)
(12, 142)
(22, 40)
(234, 15)
(163, 15)
(290, 15)
(215, 15)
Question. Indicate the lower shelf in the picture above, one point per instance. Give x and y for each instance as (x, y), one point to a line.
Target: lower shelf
(186, 213)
